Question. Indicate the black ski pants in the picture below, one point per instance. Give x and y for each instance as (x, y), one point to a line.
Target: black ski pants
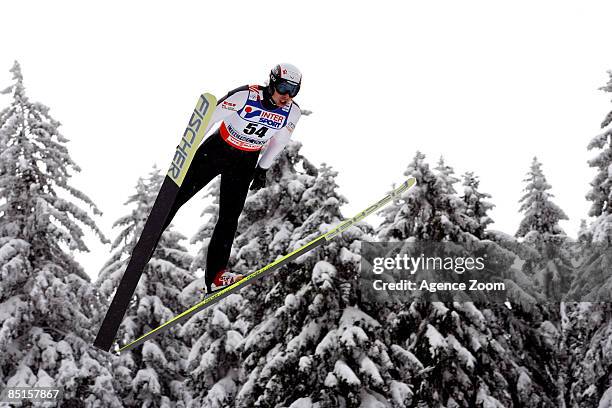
(237, 167)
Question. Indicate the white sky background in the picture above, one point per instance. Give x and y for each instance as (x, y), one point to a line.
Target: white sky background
(486, 84)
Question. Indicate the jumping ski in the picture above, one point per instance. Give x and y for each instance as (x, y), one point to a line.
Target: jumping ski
(250, 278)
(193, 135)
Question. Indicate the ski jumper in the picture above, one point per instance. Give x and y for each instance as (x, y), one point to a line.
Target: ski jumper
(247, 128)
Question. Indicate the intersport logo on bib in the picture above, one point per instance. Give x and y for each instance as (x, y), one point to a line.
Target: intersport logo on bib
(273, 120)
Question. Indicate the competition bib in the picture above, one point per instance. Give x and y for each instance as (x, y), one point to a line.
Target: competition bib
(252, 125)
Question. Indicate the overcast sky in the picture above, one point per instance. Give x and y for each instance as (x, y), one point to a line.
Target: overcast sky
(486, 84)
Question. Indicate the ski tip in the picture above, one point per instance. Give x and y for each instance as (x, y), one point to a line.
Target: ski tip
(210, 97)
(405, 186)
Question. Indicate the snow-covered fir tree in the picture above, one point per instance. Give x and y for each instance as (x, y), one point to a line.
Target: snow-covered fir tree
(589, 321)
(583, 247)
(151, 375)
(447, 176)
(312, 326)
(539, 228)
(601, 187)
(47, 304)
(588, 331)
(476, 206)
(594, 281)
(584, 234)
(430, 211)
(542, 216)
(459, 354)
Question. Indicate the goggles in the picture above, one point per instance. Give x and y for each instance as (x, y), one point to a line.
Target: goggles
(285, 87)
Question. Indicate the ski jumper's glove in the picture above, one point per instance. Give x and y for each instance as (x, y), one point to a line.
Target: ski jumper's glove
(259, 179)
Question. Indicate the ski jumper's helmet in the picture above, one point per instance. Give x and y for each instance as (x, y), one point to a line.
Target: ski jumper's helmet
(285, 79)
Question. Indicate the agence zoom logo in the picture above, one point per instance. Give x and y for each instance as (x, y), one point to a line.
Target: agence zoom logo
(273, 120)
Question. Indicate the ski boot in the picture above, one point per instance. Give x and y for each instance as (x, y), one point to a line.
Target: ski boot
(223, 279)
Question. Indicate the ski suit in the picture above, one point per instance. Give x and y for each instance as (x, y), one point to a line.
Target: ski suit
(248, 126)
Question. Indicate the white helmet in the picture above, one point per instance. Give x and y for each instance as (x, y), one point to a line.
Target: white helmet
(285, 79)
